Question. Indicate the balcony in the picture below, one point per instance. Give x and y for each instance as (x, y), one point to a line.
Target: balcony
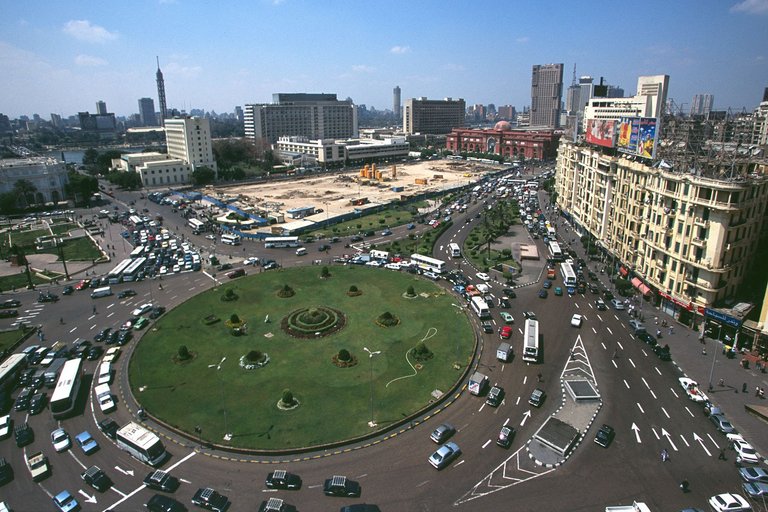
(701, 222)
(698, 242)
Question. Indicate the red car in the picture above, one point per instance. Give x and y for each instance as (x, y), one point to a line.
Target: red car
(506, 332)
(82, 285)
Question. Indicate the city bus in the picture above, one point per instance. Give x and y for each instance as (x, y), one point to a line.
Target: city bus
(569, 276)
(197, 225)
(65, 394)
(141, 444)
(136, 221)
(131, 272)
(9, 371)
(531, 341)
(480, 307)
(428, 263)
(555, 252)
(230, 239)
(278, 242)
(138, 251)
(116, 274)
(455, 250)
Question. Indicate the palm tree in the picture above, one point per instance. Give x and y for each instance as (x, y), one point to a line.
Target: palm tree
(24, 189)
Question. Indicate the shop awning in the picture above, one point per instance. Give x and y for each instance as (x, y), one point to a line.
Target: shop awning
(623, 271)
(637, 283)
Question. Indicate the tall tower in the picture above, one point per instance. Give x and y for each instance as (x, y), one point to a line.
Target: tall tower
(147, 112)
(161, 94)
(101, 107)
(546, 95)
(396, 101)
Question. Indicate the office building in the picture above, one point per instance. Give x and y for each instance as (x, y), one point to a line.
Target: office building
(48, 176)
(396, 105)
(436, 117)
(314, 116)
(300, 151)
(161, 94)
(103, 124)
(649, 101)
(701, 105)
(507, 112)
(503, 140)
(147, 115)
(546, 95)
(101, 108)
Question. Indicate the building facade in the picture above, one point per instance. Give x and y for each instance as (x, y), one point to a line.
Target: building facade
(685, 240)
(147, 115)
(396, 102)
(47, 175)
(505, 141)
(315, 116)
(101, 108)
(701, 105)
(421, 115)
(546, 95)
(302, 151)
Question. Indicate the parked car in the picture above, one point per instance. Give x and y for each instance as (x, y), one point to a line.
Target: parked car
(605, 435)
(23, 434)
(745, 453)
(756, 490)
(160, 503)
(752, 474)
(6, 425)
(617, 304)
(442, 433)
(109, 427)
(65, 502)
(722, 424)
(729, 502)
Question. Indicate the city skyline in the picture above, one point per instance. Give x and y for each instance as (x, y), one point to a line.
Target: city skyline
(63, 58)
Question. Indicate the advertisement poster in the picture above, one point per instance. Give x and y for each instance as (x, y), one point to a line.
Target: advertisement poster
(647, 137)
(628, 128)
(601, 132)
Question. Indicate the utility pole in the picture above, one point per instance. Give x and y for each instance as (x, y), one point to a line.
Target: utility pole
(60, 249)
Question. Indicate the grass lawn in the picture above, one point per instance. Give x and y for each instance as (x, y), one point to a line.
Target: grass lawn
(18, 281)
(10, 337)
(335, 403)
(395, 215)
(77, 249)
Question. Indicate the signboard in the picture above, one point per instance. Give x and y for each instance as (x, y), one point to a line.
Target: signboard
(637, 136)
(722, 317)
(601, 132)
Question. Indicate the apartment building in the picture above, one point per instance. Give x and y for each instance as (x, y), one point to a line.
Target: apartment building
(325, 152)
(436, 117)
(685, 239)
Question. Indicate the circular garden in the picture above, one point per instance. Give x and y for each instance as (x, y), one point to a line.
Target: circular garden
(282, 360)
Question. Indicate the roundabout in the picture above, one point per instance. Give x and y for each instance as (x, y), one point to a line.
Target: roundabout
(345, 360)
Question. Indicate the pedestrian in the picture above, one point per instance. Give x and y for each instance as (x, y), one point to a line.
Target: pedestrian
(704, 351)
(656, 320)
(722, 454)
(744, 388)
(94, 310)
(721, 383)
(757, 390)
(671, 331)
(538, 377)
(664, 455)
(684, 485)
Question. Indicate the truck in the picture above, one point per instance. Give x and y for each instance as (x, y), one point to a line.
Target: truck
(477, 383)
(504, 352)
(634, 507)
(37, 463)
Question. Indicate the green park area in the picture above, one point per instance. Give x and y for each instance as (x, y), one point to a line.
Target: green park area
(281, 359)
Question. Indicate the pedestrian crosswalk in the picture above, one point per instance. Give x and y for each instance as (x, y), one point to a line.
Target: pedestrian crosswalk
(26, 316)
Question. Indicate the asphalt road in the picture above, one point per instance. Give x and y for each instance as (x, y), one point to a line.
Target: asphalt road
(636, 387)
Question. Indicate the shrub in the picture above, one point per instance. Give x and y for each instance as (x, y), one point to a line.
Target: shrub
(287, 397)
(353, 289)
(286, 291)
(410, 291)
(421, 353)
(325, 273)
(234, 319)
(254, 356)
(184, 353)
(387, 319)
(344, 355)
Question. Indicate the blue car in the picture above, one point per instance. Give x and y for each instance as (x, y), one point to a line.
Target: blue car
(66, 502)
(87, 442)
(547, 284)
(571, 290)
(410, 226)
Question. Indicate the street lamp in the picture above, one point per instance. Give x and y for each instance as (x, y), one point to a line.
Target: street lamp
(371, 423)
(714, 354)
(227, 433)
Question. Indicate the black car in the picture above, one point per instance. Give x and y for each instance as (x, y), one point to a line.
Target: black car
(662, 352)
(125, 294)
(504, 303)
(96, 478)
(495, 396)
(8, 313)
(109, 427)
(37, 402)
(23, 435)
(157, 312)
(9, 304)
(160, 503)
(47, 297)
(67, 290)
(543, 293)
(94, 353)
(124, 337)
(6, 471)
(487, 327)
(341, 486)
(103, 334)
(210, 499)
(22, 401)
(605, 435)
(361, 507)
(281, 479)
(112, 338)
(647, 338)
(161, 481)
(224, 266)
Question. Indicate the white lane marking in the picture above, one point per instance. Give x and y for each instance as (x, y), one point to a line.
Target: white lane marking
(652, 394)
(645, 382)
(603, 345)
(674, 392)
(686, 442)
(657, 370)
(594, 331)
(72, 330)
(613, 362)
(632, 363)
(487, 443)
(609, 330)
(665, 412)
(640, 407)
(689, 412)
(626, 383)
(653, 429)
(713, 441)
(505, 423)
(481, 407)
(620, 345)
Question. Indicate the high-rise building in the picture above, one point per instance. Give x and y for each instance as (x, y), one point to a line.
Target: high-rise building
(701, 105)
(507, 112)
(434, 117)
(648, 102)
(396, 101)
(239, 113)
(586, 90)
(56, 121)
(147, 115)
(101, 107)
(161, 93)
(546, 95)
(314, 116)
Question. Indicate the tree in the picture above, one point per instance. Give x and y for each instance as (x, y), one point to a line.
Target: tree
(344, 355)
(203, 175)
(129, 180)
(184, 353)
(268, 160)
(80, 186)
(89, 157)
(25, 190)
(8, 203)
(288, 397)
(234, 319)
(325, 273)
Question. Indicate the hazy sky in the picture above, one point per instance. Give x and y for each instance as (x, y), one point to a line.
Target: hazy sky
(62, 56)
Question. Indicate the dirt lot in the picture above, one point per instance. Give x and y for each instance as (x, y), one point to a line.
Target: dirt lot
(334, 192)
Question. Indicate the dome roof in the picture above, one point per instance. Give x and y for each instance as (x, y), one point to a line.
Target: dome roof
(502, 126)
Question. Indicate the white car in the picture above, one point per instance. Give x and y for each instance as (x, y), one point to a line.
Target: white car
(745, 452)
(163, 270)
(253, 260)
(729, 502)
(692, 390)
(210, 237)
(576, 320)
(60, 440)
(112, 354)
(5, 426)
(144, 308)
(483, 276)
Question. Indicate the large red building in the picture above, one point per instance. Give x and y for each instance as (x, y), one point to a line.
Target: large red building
(505, 141)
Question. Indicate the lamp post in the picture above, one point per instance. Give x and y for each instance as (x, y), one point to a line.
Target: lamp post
(199, 432)
(714, 355)
(227, 433)
(371, 423)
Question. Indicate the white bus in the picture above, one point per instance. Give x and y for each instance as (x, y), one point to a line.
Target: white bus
(230, 238)
(455, 250)
(279, 242)
(9, 371)
(555, 252)
(569, 276)
(197, 225)
(428, 263)
(65, 394)
(480, 307)
(116, 274)
(138, 251)
(132, 271)
(142, 444)
(531, 341)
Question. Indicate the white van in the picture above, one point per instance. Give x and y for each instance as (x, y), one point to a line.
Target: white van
(105, 374)
(104, 291)
(301, 251)
(104, 397)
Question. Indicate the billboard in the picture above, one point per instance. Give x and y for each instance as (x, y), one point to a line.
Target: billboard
(637, 136)
(601, 132)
